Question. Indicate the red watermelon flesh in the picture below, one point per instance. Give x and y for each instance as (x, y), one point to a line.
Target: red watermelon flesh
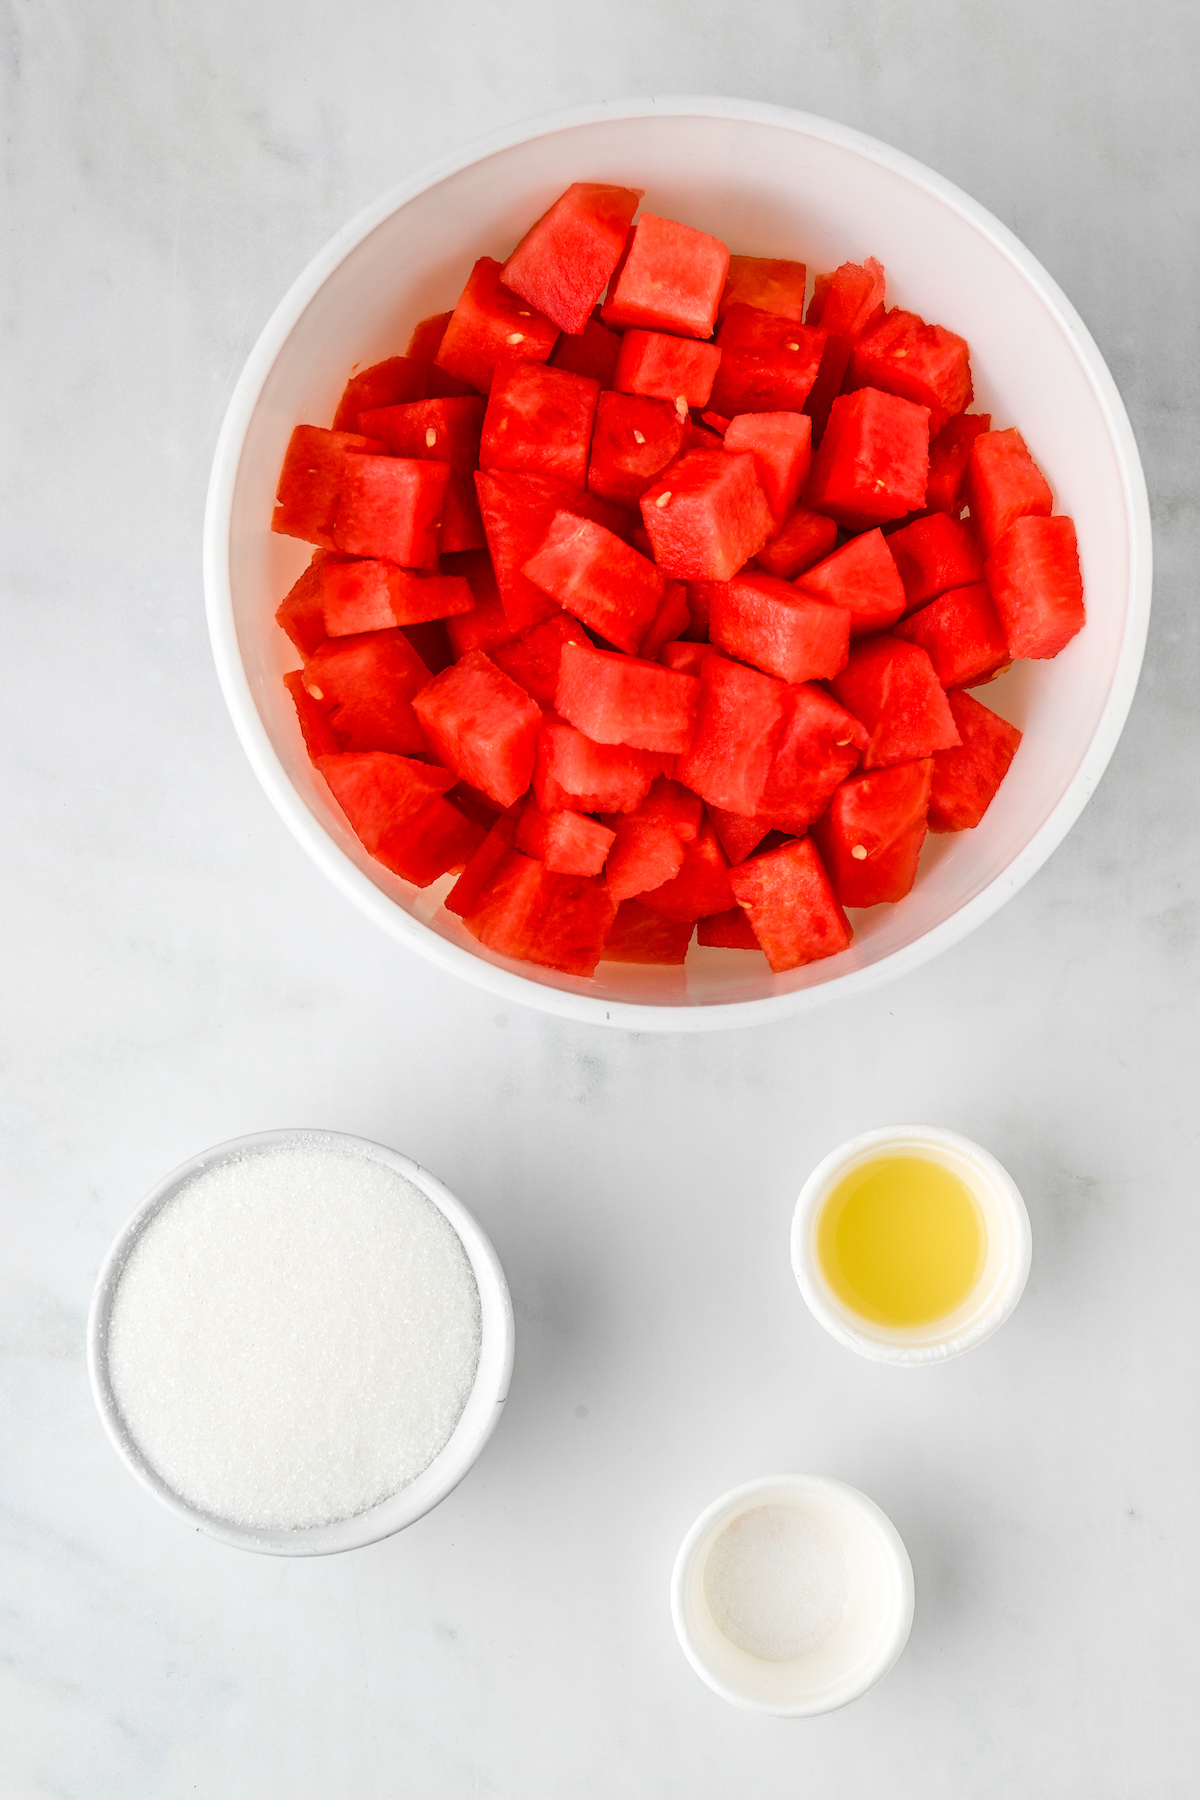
(730, 930)
(310, 482)
(446, 431)
(641, 936)
(872, 834)
(1003, 484)
(891, 687)
(426, 339)
(738, 835)
(962, 633)
(388, 383)
(472, 884)
(397, 811)
(528, 912)
(923, 363)
(768, 364)
(844, 304)
(300, 613)
(534, 657)
(569, 843)
(1034, 580)
(933, 555)
(683, 656)
(391, 507)
(790, 903)
(670, 279)
(949, 453)
(780, 444)
(680, 370)
(489, 323)
(770, 283)
(601, 580)
(539, 422)
(702, 884)
(965, 778)
(873, 461)
(487, 625)
(483, 725)
(368, 595)
(806, 538)
(706, 516)
(645, 854)
(820, 745)
(365, 686)
(635, 439)
(592, 353)
(563, 263)
(617, 699)
(574, 774)
(319, 739)
(738, 725)
(517, 513)
(778, 628)
(862, 578)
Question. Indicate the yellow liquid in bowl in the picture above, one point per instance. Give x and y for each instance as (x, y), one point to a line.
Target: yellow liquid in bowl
(901, 1240)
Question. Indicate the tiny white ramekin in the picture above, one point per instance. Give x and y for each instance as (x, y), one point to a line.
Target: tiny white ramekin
(479, 1417)
(874, 1627)
(994, 1295)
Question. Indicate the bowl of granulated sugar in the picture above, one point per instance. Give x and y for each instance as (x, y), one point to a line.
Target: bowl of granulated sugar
(300, 1342)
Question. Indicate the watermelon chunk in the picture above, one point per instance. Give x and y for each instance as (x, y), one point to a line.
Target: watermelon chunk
(738, 724)
(426, 340)
(966, 777)
(539, 421)
(778, 628)
(645, 855)
(533, 658)
(472, 884)
(963, 635)
(861, 577)
(819, 746)
(641, 936)
(844, 304)
(806, 538)
(486, 626)
(738, 835)
(872, 834)
(310, 482)
(397, 811)
(518, 511)
(388, 383)
(365, 686)
(569, 843)
(635, 438)
(592, 353)
(300, 613)
(563, 263)
(891, 687)
(673, 618)
(318, 734)
(770, 283)
(1004, 484)
(730, 930)
(626, 700)
(706, 516)
(574, 774)
(768, 364)
(489, 323)
(670, 279)
(528, 912)
(933, 555)
(446, 431)
(391, 507)
(483, 725)
(701, 886)
(873, 461)
(368, 595)
(685, 657)
(949, 453)
(681, 370)
(593, 574)
(790, 903)
(923, 363)
(780, 444)
(1034, 580)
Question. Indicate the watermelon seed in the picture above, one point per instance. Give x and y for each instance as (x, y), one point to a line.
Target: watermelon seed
(681, 406)
(638, 438)
(663, 499)
(515, 337)
(842, 742)
(523, 312)
(859, 852)
(793, 346)
(430, 438)
(316, 693)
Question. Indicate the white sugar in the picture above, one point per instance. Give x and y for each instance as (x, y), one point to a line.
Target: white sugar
(776, 1581)
(294, 1336)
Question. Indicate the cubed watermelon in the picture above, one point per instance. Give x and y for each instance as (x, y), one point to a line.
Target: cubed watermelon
(780, 444)
(819, 746)
(790, 903)
(641, 936)
(706, 516)
(365, 686)
(301, 612)
(426, 340)
(489, 323)
(391, 507)
(563, 263)
(1003, 484)
(483, 725)
(934, 554)
(397, 810)
(539, 422)
(844, 304)
(680, 370)
(593, 574)
(569, 843)
(966, 777)
(318, 734)
(778, 628)
(645, 854)
(517, 513)
(949, 453)
(528, 912)
(923, 363)
(574, 774)
(701, 886)
(1034, 580)
(962, 633)
(768, 364)
(592, 353)
(807, 538)
(670, 279)
(891, 688)
(310, 482)
(635, 439)
(446, 431)
(873, 460)
(673, 618)
(770, 283)
(368, 595)
(730, 930)
(533, 658)
(871, 836)
(738, 724)
(487, 625)
(388, 383)
(861, 577)
(739, 836)
(626, 700)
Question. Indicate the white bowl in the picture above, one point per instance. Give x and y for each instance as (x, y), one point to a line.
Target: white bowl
(475, 1426)
(874, 1627)
(1001, 1281)
(777, 183)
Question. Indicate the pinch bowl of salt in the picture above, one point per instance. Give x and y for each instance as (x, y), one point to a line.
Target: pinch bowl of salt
(300, 1342)
(792, 1595)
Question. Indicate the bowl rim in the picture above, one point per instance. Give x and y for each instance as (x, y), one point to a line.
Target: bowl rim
(740, 1499)
(527, 990)
(479, 1417)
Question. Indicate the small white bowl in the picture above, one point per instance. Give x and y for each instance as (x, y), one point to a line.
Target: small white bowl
(775, 183)
(479, 1417)
(1005, 1270)
(874, 1627)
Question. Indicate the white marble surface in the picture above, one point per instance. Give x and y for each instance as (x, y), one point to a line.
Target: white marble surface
(176, 973)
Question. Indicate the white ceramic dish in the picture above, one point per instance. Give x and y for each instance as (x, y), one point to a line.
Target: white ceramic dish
(479, 1417)
(1001, 1282)
(777, 183)
(874, 1627)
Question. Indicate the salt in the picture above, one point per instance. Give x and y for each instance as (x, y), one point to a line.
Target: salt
(776, 1582)
(294, 1335)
